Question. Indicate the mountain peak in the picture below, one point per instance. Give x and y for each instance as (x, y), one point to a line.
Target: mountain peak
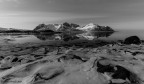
(91, 24)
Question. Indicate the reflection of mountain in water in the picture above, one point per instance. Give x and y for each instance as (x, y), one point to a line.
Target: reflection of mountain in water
(101, 34)
(69, 37)
(63, 36)
(93, 35)
(47, 36)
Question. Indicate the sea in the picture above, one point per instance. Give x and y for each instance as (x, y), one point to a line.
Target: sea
(67, 37)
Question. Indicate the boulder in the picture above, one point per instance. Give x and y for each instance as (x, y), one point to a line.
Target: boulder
(117, 74)
(132, 40)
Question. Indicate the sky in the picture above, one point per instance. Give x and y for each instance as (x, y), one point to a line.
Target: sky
(27, 14)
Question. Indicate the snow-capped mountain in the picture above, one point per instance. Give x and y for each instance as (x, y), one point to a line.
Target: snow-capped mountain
(57, 26)
(71, 27)
(43, 27)
(95, 27)
(88, 27)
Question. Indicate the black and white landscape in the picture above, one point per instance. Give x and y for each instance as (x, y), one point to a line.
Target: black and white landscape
(71, 42)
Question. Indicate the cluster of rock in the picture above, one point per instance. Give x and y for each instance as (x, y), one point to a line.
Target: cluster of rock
(31, 63)
(65, 27)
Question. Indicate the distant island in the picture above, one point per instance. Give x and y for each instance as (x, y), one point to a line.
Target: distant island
(60, 28)
(13, 30)
(69, 27)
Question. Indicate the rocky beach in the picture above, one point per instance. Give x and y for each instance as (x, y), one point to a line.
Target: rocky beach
(42, 63)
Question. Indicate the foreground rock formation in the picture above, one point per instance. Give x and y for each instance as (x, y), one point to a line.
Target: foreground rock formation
(31, 63)
(132, 40)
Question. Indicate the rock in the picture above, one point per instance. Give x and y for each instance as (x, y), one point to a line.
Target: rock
(15, 59)
(46, 64)
(71, 57)
(116, 72)
(50, 73)
(107, 68)
(24, 52)
(40, 51)
(132, 40)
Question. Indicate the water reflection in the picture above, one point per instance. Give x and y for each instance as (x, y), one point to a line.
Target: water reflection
(45, 36)
(95, 35)
(8, 38)
(101, 34)
(68, 36)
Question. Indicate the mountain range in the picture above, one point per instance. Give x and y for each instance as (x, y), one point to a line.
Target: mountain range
(71, 27)
(65, 27)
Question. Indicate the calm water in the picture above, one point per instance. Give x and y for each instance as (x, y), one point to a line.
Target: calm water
(108, 36)
(121, 35)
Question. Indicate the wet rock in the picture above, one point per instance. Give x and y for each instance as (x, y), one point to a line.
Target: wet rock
(51, 74)
(1, 69)
(40, 51)
(5, 53)
(107, 68)
(73, 65)
(132, 40)
(1, 57)
(24, 52)
(70, 57)
(121, 73)
(48, 73)
(136, 53)
(15, 59)
(118, 72)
